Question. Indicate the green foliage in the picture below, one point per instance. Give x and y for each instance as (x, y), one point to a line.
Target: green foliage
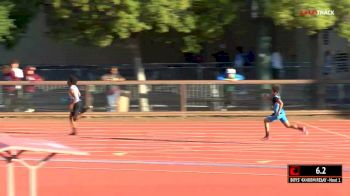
(344, 30)
(95, 21)
(101, 22)
(22, 13)
(15, 15)
(288, 13)
(342, 10)
(6, 23)
(211, 20)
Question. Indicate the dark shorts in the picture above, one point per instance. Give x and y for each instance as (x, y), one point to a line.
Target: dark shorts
(77, 109)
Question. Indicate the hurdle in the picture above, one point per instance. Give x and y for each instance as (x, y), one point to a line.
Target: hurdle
(12, 147)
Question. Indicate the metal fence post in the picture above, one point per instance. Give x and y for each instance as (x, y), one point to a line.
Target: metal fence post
(183, 98)
(320, 94)
(88, 95)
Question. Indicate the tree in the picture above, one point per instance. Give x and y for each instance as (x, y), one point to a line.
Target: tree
(6, 23)
(15, 15)
(103, 22)
(211, 20)
(289, 14)
(342, 9)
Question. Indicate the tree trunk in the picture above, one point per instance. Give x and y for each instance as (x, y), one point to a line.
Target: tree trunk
(264, 57)
(318, 89)
(140, 75)
(264, 54)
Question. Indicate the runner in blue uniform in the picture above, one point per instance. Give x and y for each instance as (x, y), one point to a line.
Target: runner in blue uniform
(279, 114)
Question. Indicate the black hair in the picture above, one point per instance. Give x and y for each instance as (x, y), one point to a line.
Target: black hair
(72, 80)
(239, 49)
(15, 61)
(276, 88)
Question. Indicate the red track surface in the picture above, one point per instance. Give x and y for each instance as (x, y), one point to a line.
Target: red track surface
(157, 158)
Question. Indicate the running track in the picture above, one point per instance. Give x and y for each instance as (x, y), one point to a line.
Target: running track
(181, 157)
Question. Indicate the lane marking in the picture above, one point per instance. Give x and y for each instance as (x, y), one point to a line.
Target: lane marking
(326, 130)
(173, 163)
(163, 171)
(120, 153)
(265, 161)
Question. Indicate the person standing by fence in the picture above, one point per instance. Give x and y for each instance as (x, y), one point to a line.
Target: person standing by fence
(18, 73)
(112, 91)
(327, 64)
(9, 91)
(229, 90)
(222, 57)
(29, 90)
(276, 65)
(240, 59)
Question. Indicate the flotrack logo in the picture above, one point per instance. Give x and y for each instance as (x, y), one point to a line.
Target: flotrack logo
(316, 12)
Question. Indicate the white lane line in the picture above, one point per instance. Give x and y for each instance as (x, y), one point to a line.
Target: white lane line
(172, 163)
(162, 171)
(326, 130)
(119, 153)
(205, 157)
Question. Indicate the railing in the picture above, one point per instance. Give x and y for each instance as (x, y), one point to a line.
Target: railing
(170, 71)
(182, 95)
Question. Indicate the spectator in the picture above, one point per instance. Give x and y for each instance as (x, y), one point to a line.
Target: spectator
(250, 58)
(193, 58)
(29, 90)
(18, 73)
(222, 57)
(9, 91)
(229, 90)
(277, 65)
(240, 57)
(230, 74)
(16, 70)
(327, 64)
(249, 62)
(113, 91)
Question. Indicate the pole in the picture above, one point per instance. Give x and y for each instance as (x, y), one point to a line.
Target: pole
(183, 97)
(32, 181)
(10, 178)
(143, 91)
(88, 96)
